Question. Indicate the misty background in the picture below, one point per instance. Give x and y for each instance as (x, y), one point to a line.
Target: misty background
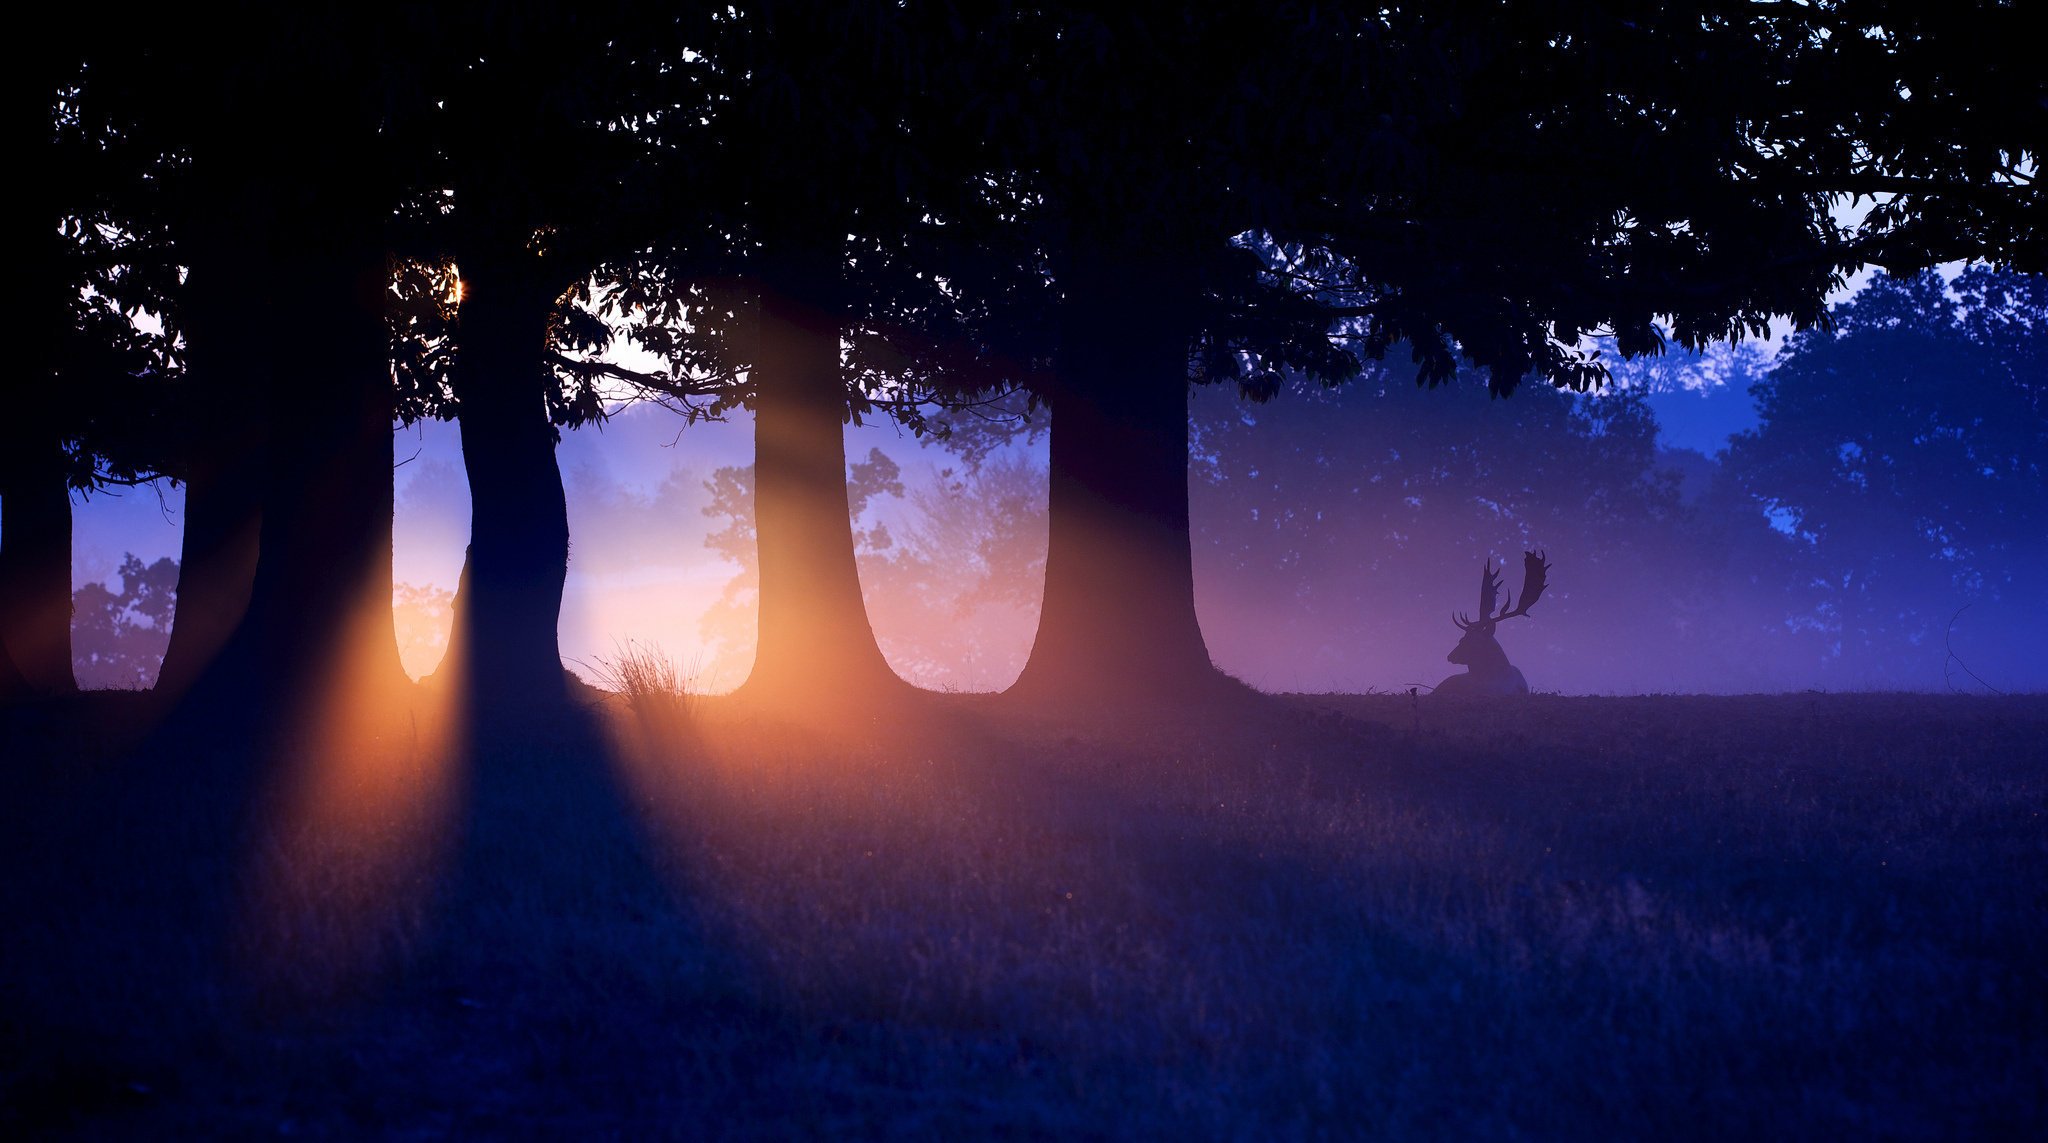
(1861, 508)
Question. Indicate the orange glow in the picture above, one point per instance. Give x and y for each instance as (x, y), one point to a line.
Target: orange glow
(355, 825)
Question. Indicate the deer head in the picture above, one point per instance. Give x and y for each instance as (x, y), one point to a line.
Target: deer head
(1478, 649)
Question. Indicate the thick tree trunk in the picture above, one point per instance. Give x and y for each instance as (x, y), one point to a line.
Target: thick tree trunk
(221, 458)
(35, 498)
(217, 562)
(1118, 623)
(816, 645)
(222, 519)
(323, 572)
(505, 647)
(319, 601)
(35, 560)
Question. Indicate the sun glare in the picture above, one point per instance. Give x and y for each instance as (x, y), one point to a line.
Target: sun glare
(355, 827)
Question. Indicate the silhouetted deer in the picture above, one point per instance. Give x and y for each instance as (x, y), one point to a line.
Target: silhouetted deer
(1488, 670)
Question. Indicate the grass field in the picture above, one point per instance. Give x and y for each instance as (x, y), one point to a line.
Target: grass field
(1801, 916)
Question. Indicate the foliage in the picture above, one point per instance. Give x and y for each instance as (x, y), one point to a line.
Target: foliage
(1907, 450)
(118, 637)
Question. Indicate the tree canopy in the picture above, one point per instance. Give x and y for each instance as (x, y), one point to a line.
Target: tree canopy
(323, 217)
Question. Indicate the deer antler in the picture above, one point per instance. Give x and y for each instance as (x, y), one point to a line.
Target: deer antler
(1535, 577)
(1489, 593)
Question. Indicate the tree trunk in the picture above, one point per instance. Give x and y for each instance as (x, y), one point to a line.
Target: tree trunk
(319, 610)
(217, 561)
(505, 647)
(1118, 622)
(35, 497)
(816, 644)
(35, 560)
(221, 461)
(323, 575)
(220, 457)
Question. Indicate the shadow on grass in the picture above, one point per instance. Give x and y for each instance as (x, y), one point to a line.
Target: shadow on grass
(1651, 918)
(382, 931)
(1290, 918)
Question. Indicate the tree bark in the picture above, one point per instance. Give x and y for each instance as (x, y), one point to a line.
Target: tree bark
(320, 600)
(35, 496)
(221, 462)
(1118, 623)
(217, 560)
(816, 644)
(35, 560)
(505, 647)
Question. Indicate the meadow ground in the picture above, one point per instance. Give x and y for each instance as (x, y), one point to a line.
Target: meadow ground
(1800, 916)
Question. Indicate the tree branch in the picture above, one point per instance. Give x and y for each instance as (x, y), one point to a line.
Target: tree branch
(651, 381)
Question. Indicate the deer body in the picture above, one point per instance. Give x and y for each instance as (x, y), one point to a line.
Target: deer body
(1488, 672)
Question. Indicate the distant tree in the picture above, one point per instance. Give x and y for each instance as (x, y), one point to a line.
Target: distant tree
(955, 594)
(1907, 451)
(119, 636)
(1334, 527)
(731, 623)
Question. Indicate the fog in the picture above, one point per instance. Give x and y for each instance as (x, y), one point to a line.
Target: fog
(1858, 510)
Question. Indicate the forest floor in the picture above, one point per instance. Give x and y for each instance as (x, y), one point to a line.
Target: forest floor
(1799, 916)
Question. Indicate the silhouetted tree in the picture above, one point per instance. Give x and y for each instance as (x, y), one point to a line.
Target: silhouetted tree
(1132, 147)
(528, 199)
(828, 167)
(120, 636)
(733, 499)
(1907, 451)
(858, 207)
(281, 203)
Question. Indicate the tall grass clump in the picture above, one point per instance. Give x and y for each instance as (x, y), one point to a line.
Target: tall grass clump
(658, 691)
